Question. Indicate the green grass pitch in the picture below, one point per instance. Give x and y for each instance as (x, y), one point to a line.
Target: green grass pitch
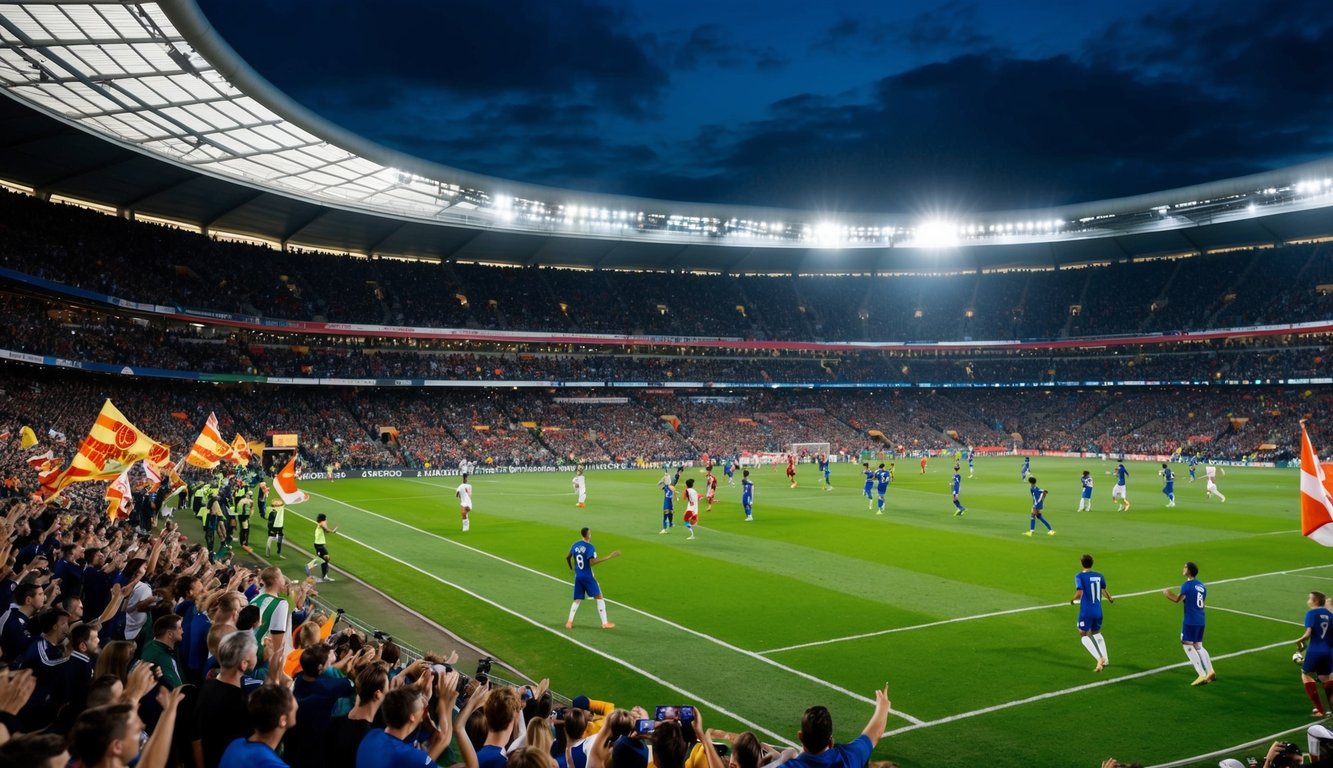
(819, 601)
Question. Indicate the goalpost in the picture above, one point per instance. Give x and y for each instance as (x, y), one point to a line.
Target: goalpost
(809, 450)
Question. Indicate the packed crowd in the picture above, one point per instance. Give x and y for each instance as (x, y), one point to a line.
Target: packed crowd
(110, 255)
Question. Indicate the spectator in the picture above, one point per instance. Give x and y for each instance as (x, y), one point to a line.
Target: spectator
(161, 650)
(34, 750)
(221, 713)
(816, 737)
(273, 710)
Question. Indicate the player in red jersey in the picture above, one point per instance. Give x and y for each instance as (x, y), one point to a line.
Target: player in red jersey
(710, 487)
(791, 469)
(923, 465)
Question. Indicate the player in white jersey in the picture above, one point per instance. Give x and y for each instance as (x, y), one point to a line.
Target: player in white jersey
(464, 467)
(581, 487)
(464, 494)
(1210, 477)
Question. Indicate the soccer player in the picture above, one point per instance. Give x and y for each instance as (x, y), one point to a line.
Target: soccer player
(581, 487)
(882, 480)
(791, 469)
(957, 484)
(691, 508)
(824, 468)
(1169, 484)
(1210, 480)
(464, 494)
(321, 550)
(710, 487)
(971, 463)
(729, 469)
(1194, 465)
(668, 501)
(924, 459)
(1027, 468)
(1085, 498)
(870, 483)
(275, 524)
(1192, 595)
(1318, 661)
(747, 495)
(581, 558)
(1089, 589)
(1038, 501)
(1118, 490)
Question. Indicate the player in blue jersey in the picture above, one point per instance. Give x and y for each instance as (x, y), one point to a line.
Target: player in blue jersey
(581, 558)
(1089, 590)
(1038, 502)
(971, 463)
(729, 469)
(870, 484)
(668, 487)
(1119, 490)
(1192, 595)
(1027, 468)
(1085, 498)
(882, 479)
(824, 468)
(957, 485)
(1168, 484)
(1318, 661)
(747, 495)
(1194, 465)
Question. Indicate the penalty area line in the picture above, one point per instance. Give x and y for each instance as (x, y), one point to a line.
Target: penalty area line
(1075, 689)
(1012, 611)
(660, 619)
(689, 695)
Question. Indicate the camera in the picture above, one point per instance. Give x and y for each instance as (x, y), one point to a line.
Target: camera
(683, 713)
(381, 636)
(484, 669)
(644, 726)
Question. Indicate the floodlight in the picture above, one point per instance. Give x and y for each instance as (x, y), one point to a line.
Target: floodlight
(935, 233)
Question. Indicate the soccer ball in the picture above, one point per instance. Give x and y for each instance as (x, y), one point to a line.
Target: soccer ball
(1298, 658)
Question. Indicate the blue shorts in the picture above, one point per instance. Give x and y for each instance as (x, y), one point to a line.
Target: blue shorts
(1191, 633)
(1089, 623)
(1318, 663)
(667, 506)
(586, 586)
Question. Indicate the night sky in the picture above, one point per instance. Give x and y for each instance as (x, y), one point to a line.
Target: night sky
(846, 105)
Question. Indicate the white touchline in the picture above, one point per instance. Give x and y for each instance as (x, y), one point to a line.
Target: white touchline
(1075, 689)
(1256, 615)
(1229, 750)
(1011, 611)
(591, 649)
(680, 627)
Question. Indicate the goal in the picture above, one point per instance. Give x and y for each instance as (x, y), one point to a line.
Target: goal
(808, 450)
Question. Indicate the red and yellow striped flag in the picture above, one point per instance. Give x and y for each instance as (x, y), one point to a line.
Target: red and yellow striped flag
(209, 448)
(118, 502)
(110, 448)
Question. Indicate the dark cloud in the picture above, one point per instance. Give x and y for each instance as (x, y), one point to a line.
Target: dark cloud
(710, 44)
(950, 27)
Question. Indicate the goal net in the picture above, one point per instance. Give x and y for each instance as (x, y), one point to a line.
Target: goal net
(808, 450)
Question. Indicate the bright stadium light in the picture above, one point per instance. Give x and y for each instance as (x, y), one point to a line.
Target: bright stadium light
(827, 234)
(935, 233)
(504, 207)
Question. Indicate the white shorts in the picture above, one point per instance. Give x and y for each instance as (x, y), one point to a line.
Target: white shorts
(1117, 491)
(1212, 486)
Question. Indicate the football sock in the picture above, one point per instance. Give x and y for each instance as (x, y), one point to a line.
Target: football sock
(880, 504)
(1032, 524)
(573, 609)
(1101, 646)
(1206, 661)
(601, 610)
(1043, 522)
(465, 524)
(1092, 647)
(1312, 691)
(324, 568)
(1328, 691)
(1193, 654)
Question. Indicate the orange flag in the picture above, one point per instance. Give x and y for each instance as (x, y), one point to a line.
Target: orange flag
(110, 448)
(240, 450)
(209, 448)
(1316, 494)
(285, 483)
(118, 502)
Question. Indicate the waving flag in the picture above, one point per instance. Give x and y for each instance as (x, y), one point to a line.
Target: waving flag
(285, 482)
(111, 447)
(39, 462)
(240, 450)
(1316, 494)
(118, 501)
(27, 438)
(209, 448)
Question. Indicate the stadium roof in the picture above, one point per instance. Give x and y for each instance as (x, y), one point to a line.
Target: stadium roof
(144, 109)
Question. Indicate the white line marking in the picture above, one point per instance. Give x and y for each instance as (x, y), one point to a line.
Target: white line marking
(1255, 615)
(1231, 750)
(1075, 689)
(679, 627)
(689, 696)
(1011, 611)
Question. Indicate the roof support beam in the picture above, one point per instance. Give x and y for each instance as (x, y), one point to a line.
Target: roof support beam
(207, 224)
